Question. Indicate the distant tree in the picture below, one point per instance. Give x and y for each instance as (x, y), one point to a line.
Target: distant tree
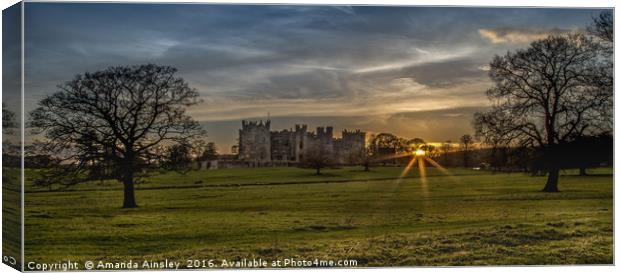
(414, 144)
(8, 119)
(117, 120)
(496, 140)
(317, 157)
(429, 150)
(210, 152)
(367, 158)
(10, 153)
(547, 95)
(446, 148)
(385, 145)
(178, 157)
(466, 141)
(587, 151)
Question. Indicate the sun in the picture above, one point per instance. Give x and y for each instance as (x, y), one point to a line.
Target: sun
(419, 152)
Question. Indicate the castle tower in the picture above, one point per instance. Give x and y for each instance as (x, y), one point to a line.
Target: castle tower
(300, 141)
(255, 142)
(351, 146)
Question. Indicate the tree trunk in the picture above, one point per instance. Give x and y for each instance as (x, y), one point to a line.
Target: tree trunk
(552, 158)
(552, 180)
(366, 167)
(129, 198)
(318, 171)
(582, 171)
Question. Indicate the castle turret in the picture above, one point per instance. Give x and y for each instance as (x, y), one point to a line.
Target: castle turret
(255, 142)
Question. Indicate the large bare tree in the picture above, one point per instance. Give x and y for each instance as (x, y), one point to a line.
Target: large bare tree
(113, 124)
(546, 95)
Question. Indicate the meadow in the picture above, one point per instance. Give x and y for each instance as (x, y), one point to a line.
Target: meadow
(467, 218)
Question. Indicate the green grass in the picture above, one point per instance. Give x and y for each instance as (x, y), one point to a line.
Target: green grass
(11, 214)
(469, 218)
(247, 176)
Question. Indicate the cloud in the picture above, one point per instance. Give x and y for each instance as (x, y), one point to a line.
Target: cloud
(446, 73)
(374, 98)
(353, 67)
(418, 57)
(484, 67)
(505, 35)
(346, 9)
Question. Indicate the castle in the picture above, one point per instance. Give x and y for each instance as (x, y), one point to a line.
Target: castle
(259, 146)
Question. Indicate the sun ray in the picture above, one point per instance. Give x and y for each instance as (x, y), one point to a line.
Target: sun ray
(439, 167)
(395, 156)
(422, 169)
(407, 168)
(423, 180)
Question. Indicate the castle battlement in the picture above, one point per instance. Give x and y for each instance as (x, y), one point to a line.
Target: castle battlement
(356, 133)
(247, 125)
(259, 146)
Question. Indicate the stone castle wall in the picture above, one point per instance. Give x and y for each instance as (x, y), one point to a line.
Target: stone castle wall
(258, 146)
(255, 142)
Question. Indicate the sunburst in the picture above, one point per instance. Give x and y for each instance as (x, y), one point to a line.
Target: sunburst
(419, 156)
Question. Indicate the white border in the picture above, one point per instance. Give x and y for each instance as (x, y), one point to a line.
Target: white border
(518, 3)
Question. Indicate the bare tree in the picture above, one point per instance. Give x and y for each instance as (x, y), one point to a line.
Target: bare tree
(317, 157)
(10, 151)
(446, 148)
(8, 120)
(602, 76)
(177, 157)
(488, 131)
(113, 123)
(210, 152)
(367, 158)
(603, 26)
(544, 96)
(466, 141)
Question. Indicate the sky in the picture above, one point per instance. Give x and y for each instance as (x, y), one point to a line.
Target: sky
(411, 71)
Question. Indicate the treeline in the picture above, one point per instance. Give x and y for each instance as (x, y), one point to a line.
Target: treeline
(583, 153)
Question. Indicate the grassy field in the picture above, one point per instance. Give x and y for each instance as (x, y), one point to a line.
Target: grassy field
(11, 216)
(469, 218)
